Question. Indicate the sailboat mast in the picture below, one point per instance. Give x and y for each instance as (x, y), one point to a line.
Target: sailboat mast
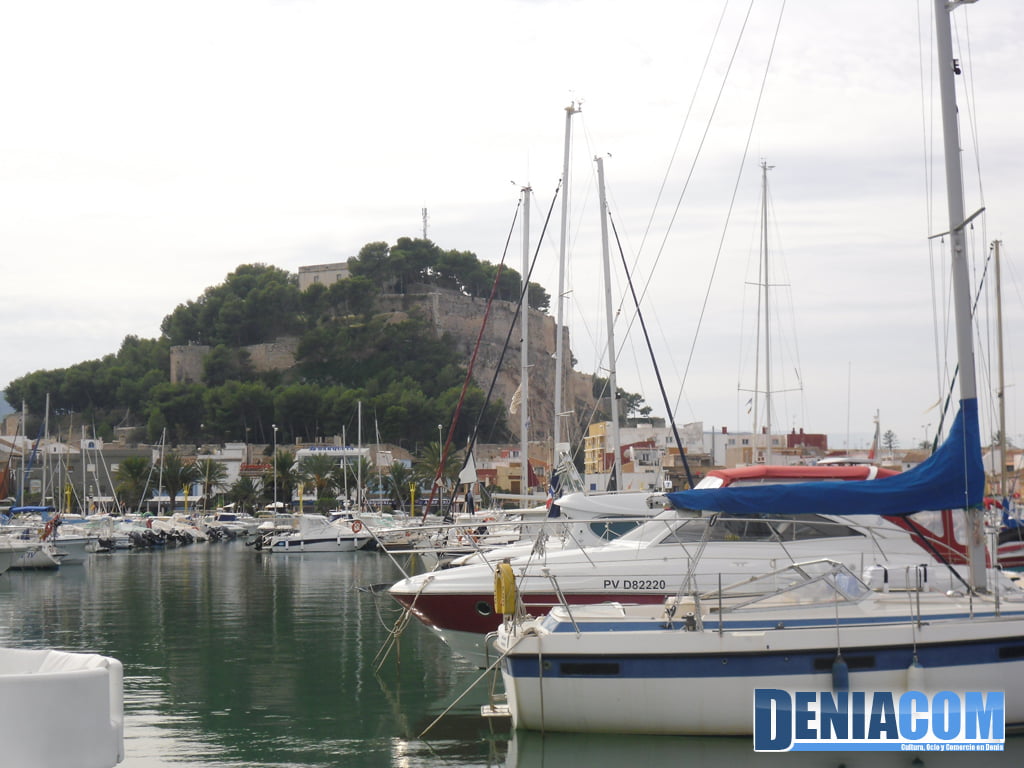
(359, 457)
(948, 67)
(767, 315)
(613, 391)
(1002, 391)
(571, 110)
(524, 356)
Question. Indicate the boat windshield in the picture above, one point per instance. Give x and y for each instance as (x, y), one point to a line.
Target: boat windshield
(682, 527)
(810, 583)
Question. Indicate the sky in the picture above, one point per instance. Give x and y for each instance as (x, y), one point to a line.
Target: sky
(148, 149)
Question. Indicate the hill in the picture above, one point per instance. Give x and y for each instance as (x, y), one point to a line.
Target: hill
(255, 351)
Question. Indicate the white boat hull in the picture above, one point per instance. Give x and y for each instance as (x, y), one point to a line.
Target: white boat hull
(37, 557)
(60, 709)
(640, 669)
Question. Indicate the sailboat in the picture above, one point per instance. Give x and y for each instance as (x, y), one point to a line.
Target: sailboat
(734, 659)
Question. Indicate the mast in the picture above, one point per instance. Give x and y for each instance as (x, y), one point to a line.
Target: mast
(612, 385)
(767, 327)
(948, 67)
(46, 456)
(571, 110)
(359, 459)
(1001, 394)
(763, 293)
(524, 356)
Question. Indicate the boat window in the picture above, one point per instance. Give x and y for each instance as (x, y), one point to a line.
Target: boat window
(612, 529)
(728, 527)
(686, 531)
(806, 527)
(930, 521)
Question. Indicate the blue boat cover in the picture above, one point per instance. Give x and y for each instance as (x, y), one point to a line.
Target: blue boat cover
(951, 478)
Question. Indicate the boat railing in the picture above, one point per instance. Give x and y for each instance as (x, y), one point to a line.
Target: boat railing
(561, 597)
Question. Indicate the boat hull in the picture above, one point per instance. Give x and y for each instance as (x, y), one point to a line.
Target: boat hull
(638, 678)
(59, 708)
(336, 544)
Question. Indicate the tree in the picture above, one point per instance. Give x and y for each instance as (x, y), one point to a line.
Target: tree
(889, 441)
(429, 460)
(245, 493)
(318, 470)
(398, 480)
(354, 476)
(132, 480)
(177, 475)
(211, 474)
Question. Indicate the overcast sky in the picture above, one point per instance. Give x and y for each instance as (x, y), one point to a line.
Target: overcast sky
(150, 148)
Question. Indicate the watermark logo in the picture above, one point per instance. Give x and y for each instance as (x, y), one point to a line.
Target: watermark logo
(912, 721)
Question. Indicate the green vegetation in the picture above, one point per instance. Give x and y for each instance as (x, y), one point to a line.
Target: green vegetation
(407, 379)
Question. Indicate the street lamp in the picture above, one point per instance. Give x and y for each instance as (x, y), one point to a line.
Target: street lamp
(274, 427)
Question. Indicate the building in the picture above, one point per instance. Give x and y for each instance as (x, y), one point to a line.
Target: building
(322, 274)
(646, 451)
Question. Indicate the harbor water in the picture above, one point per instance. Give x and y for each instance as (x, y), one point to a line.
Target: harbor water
(238, 658)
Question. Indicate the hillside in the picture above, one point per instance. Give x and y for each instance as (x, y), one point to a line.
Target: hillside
(397, 336)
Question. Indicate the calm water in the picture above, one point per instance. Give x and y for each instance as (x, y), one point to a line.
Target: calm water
(234, 658)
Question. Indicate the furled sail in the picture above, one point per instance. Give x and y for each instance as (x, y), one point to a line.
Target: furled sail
(951, 478)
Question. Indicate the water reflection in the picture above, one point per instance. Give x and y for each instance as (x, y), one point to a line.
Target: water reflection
(234, 658)
(556, 750)
(237, 658)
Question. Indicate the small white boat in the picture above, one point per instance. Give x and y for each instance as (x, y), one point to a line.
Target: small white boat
(7, 554)
(60, 709)
(315, 533)
(34, 555)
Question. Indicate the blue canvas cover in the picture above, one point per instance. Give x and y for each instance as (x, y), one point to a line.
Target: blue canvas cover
(951, 478)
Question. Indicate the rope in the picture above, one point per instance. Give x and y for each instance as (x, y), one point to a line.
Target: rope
(398, 628)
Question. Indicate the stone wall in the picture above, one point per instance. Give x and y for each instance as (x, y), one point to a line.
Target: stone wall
(279, 355)
(459, 316)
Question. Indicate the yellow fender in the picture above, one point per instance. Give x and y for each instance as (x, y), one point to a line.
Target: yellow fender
(504, 590)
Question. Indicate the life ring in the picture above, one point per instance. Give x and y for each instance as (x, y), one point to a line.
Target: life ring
(356, 526)
(504, 590)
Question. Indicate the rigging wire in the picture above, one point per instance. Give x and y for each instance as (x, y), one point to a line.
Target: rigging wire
(443, 453)
(732, 201)
(654, 360)
(515, 317)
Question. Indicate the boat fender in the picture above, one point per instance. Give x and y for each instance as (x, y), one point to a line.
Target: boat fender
(356, 526)
(840, 674)
(504, 589)
(916, 677)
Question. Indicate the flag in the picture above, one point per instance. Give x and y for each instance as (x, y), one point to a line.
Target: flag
(553, 510)
(468, 473)
(531, 477)
(517, 399)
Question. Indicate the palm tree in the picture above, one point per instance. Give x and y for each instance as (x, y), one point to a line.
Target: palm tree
(426, 467)
(351, 474)
(212, 475)
(177, 475)
(132, 479)
(283, 476)
(245, 493)
(400, 477)
(318, 471)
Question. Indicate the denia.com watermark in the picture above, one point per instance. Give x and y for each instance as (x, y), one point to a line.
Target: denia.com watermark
(943, 721)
